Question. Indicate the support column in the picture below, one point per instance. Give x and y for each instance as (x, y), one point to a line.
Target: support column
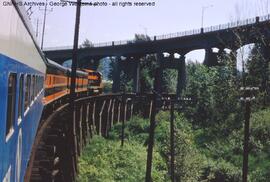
(159, 74)
(210, 58)
(89, 62)
(207, 56)
(116, 75)
(220, 56)
(136, 77)
(233, 59)
(266, 60)
(181, 81)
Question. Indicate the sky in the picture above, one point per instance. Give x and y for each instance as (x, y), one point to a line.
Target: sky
(103, 24)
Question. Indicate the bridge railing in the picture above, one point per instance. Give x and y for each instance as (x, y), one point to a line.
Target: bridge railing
(265, 18)
(230, 25)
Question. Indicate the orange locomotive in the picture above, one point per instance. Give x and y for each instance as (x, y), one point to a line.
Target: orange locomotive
(58, 79)
(95, 85)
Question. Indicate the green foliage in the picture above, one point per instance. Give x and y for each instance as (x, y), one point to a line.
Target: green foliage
(107, 86)
(86, 44)
(260, 127)
(220, 171)
(135, 130)
(199, 87)
(260, 146)
(258, 73)
(216, 99)
(169, 80)
(229, 151)
(256, 66)
(208, 135)
(198, 158)
(188, 160)
(106, 161)
(218, 116)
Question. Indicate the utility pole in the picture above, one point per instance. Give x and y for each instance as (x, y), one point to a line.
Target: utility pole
(75, 52)
(44, 23)
(123, 118)
(172, 140)
(72, 95)
(248, 96)
(203, 10)
(155, 103)
(148, 175)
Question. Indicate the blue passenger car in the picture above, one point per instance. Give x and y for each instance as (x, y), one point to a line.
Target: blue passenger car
(22, 72)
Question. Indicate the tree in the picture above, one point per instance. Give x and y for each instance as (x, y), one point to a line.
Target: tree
(216, 98)
(258, 72)
(86, 44)
(169, 80)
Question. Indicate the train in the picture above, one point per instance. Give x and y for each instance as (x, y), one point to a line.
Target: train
(95, 84)
(29, 82)
(58, 81)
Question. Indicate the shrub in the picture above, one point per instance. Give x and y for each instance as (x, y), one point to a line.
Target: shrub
(106, 161)
(220, 171)
(188, 160)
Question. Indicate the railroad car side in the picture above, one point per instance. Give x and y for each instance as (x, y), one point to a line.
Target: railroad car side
(57, 82)
(94, 81)
(22, 71)
(81, 82)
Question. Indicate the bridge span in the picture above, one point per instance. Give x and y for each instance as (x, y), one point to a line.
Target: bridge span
(227, 36)
(231, 35)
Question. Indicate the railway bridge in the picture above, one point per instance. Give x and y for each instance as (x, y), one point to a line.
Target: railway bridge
(63, 132)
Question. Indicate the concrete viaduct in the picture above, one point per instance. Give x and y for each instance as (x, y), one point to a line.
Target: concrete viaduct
(227, 36)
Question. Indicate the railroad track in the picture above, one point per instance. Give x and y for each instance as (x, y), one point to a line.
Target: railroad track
(64, 132)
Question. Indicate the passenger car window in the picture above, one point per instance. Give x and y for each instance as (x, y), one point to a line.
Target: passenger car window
(33, 88)
(11, 102)
(20, 103)
(27, 92)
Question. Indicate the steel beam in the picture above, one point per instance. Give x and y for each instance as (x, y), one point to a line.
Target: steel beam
(181, 80)
(136, 76)
(116, 75)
